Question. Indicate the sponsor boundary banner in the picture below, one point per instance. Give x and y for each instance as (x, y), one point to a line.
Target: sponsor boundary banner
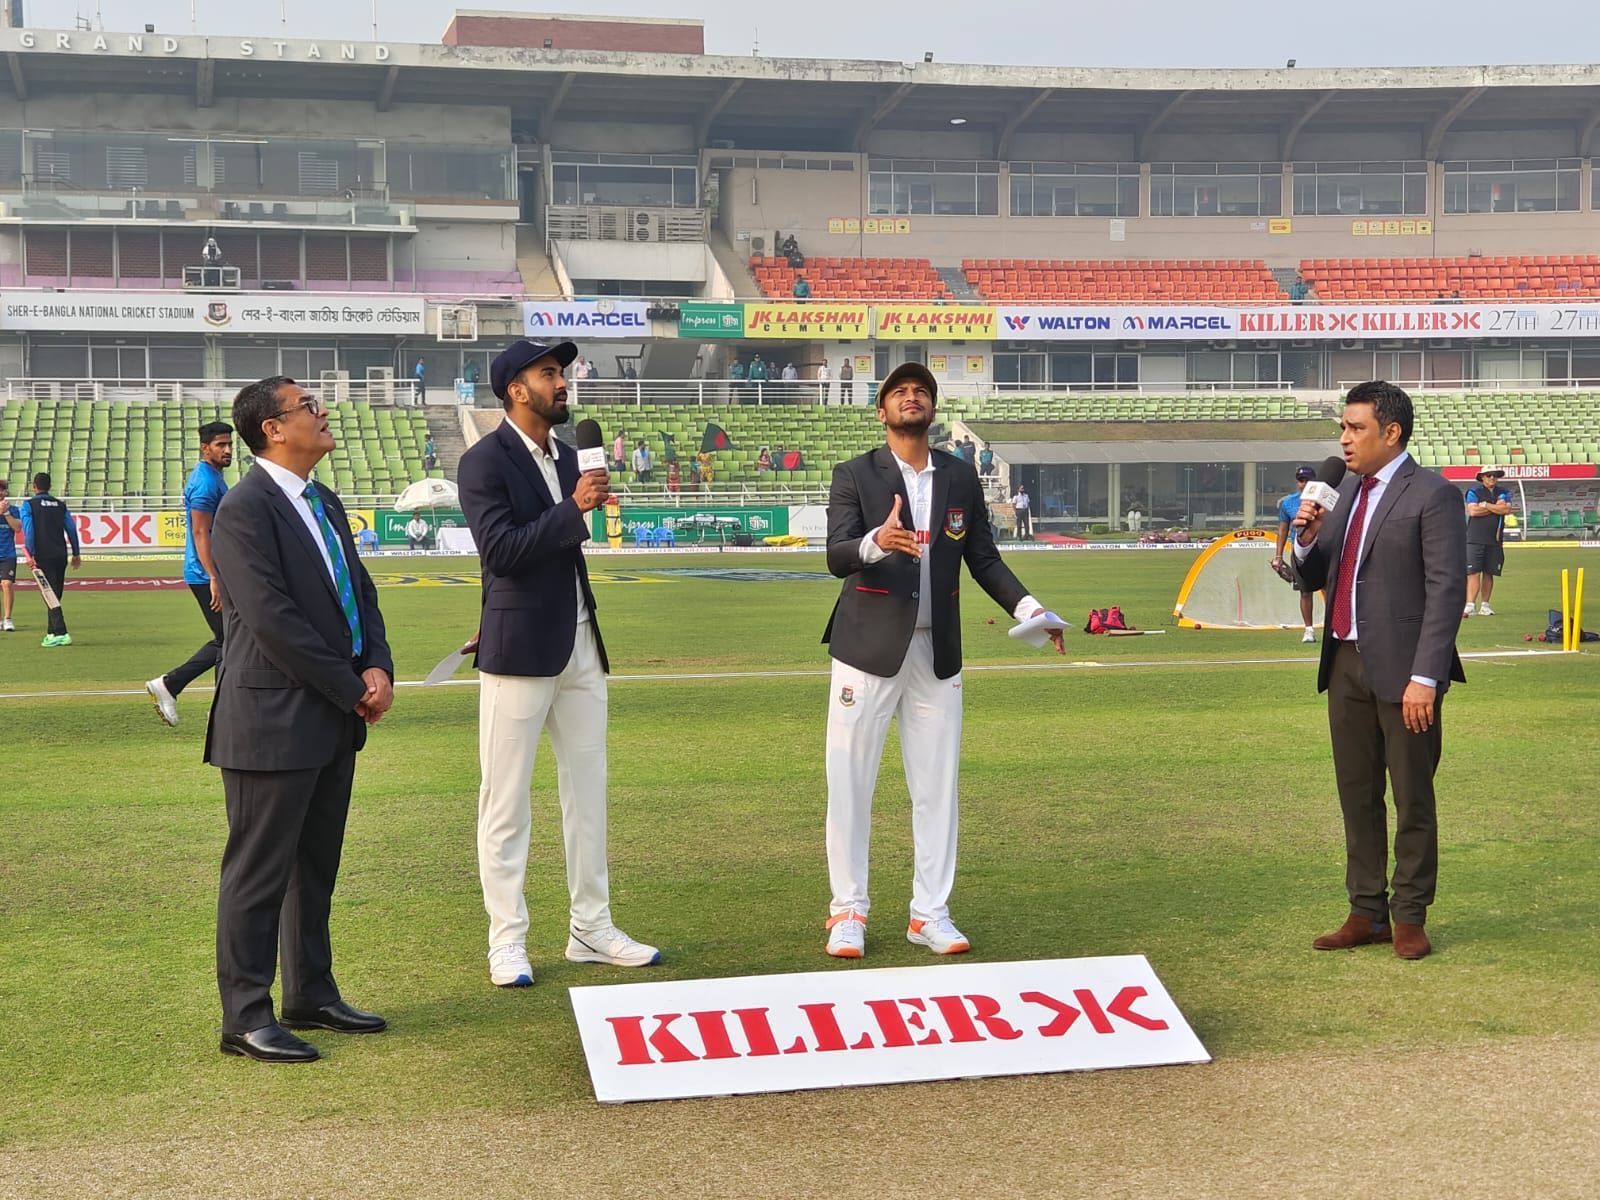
(778, 1033)
(242, 312)
(562, 319)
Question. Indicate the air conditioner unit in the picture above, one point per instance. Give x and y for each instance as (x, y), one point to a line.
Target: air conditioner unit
(1500, 343)
(1392, 344)
(1439, 344)
(1223, 345)
(1134, 345)
(380, 385)
(758, 245)
(1351, 344)
(1302, 344)
(335, 386)
(644, 226)
(1015, 345)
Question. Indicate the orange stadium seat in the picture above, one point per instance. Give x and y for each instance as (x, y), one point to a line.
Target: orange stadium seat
(852, 278)
(1504, 278)
(1122, 279)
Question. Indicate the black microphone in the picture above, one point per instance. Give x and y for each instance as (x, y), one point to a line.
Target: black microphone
(1323, 491)
(591, 446)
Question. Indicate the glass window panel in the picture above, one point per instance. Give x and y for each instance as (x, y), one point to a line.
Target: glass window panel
(1021, 195)
(988, 195)
(880, 193)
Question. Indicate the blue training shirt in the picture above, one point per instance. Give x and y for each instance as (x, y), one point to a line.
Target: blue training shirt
(1288, 510)
(202, 493)
(8, 537)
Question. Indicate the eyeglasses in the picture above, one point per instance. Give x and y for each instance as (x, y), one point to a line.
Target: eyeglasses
(311, 404)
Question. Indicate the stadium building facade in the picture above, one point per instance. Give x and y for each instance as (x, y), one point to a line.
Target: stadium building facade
(1030, 231)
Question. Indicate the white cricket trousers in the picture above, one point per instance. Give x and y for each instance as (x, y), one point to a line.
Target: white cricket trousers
(512, 709)
(859, 708)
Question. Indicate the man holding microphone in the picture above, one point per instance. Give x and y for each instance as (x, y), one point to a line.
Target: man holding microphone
(541, 661)
(1389, 548)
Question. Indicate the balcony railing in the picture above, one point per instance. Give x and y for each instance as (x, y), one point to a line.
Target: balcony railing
(618, 223)
(55, 200)
(333, 391)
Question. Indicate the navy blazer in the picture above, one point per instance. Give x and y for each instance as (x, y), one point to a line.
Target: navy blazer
(876, 614)
(288, 682)
(530, 544)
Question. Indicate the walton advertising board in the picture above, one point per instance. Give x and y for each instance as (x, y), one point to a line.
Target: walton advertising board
(177, 312)
(1326, 322)
(550, 320)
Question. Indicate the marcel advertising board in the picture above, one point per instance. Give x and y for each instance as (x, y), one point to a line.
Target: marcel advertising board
(781, 1033)
(820, 319)
(1311, 322)
(176, 312)
(546, 321)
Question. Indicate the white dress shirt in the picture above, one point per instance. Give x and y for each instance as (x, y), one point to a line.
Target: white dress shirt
(547, 467)
(293, 486)
(1384, 476)
(919, 488)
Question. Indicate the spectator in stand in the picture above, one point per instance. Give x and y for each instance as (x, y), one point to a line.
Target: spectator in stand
(847, 384)
(790, 249)
(1022, 506)
(628, 371)
(619, 451)
(473, 373)
(641, 462)
(430, 454)
(822, 383)
(763, 462)
(736, 379)
(674, 478)
(694, 474)
(790, 373)
(420, 374)
(1297, 289)
(706, 466)
(758, 374)
(986, 461)
(802, 289)
(417, 532)
(778, 458)
(581, 371)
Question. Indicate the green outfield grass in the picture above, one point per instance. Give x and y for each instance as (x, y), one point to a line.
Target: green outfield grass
(1181, 809)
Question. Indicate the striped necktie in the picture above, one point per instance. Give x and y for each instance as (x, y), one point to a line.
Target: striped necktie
(341, 569)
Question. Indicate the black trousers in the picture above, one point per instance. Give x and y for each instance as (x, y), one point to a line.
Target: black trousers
(55, 570)
(1371, 742)
(205, 658)
(285, 835)
(1024, 523)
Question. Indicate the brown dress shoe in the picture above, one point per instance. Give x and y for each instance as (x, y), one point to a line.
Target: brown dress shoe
(1356, 931)
(1411, 941)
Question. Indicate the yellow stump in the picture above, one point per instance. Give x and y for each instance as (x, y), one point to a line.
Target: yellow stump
(1577, 611)
(1566, 610)
(614, 525)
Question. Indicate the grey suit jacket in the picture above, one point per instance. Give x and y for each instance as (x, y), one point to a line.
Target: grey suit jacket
(1411, 582)
(288, 682)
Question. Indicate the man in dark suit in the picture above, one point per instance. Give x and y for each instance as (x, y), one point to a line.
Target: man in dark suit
(541, 661)
(901, 521)
(305, 668)
(1392, 557)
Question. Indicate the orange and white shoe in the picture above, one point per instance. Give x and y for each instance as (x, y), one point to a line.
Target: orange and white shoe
(847, 935)
(941, 936)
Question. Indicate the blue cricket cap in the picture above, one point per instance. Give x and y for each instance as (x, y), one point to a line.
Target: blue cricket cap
(521, 354)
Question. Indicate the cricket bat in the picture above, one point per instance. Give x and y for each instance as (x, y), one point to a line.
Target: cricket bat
(51, 600)
(450, 663)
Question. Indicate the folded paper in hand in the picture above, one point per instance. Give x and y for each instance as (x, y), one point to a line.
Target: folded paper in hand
(1036, 629)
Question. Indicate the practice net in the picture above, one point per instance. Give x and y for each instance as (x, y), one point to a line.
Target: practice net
(1232, 586)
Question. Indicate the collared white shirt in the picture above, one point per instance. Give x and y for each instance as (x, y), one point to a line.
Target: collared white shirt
(919, 489)
(1384, 476)
(547, 467)
(294, 486)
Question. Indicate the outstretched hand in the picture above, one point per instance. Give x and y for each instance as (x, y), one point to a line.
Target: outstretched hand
(892, 535)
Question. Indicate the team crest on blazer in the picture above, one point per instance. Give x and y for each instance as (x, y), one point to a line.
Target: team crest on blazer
(847, 696)
(955, 523)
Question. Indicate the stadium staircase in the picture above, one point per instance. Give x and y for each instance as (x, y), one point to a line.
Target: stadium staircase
(534, 265)
(958, 284)
(1555, 277)
(117, 450)
(444, 424)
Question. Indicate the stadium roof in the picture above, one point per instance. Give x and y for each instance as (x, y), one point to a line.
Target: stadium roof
(815, 104)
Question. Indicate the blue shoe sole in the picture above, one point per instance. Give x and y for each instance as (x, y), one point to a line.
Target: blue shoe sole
(519, 981)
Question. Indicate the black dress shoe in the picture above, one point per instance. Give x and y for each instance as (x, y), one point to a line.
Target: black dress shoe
(270, 1043)
(338, 1016)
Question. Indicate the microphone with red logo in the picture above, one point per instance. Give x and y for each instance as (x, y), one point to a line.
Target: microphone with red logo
(591, 446)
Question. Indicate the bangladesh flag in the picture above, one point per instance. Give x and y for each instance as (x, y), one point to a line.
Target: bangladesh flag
(715, 438)
(669, 450)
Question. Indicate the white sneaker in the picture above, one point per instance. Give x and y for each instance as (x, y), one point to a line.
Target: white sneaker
(509, 967)
(1467, 611)
(847, 935)
(1310, 635)
(1484, 610)
(166, 702)
(8, 625)
(610, 945)
(941, 936)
